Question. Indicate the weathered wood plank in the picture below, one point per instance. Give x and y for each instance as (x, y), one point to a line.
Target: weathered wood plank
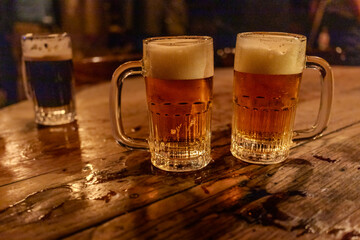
(312, 195)
(259, 184)
(55, 182)
(119, 184)
(20, 139)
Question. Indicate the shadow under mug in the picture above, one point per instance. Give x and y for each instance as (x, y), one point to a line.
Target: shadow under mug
(178, 74)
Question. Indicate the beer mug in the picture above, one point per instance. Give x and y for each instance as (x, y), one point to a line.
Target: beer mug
(268, 69)
(48, 77)
(178, 74)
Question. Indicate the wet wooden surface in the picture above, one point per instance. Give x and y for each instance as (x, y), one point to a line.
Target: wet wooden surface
(75, 182)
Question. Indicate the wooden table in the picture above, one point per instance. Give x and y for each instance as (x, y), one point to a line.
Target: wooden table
(75, 182)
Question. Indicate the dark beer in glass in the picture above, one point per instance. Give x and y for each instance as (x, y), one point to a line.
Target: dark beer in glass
(48, 77)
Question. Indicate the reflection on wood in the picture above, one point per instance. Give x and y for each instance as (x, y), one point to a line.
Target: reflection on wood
(75, 182)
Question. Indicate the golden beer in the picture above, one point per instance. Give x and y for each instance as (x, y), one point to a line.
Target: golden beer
(178, 74)
(180, 114)
(179, 109)
(179, 81)
(267, 75)
(264, 109)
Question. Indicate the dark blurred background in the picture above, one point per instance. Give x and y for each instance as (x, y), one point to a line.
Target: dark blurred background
(109, 32)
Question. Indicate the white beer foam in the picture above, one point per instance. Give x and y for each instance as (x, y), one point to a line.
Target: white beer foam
(270, 55)
(37, 46)
(179, 59)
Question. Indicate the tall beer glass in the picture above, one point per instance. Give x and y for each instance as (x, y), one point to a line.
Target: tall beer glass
(48, 77)
(178, 74)
(268, 70)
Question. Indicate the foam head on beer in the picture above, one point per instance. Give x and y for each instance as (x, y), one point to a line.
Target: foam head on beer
(175, 59)
(47, 46)
(270, 54)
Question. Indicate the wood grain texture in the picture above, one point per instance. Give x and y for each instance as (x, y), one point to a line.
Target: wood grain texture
(75, 182)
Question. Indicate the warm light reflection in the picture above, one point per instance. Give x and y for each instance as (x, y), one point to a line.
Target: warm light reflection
(96, 59)
(153, 193)
(44, 149)
(89, 167)
(18, 165)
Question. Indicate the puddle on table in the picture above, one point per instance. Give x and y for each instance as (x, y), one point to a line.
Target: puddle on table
(329, 160)
(37, 206)
(107, 197)
(351, 235)
(260, 207)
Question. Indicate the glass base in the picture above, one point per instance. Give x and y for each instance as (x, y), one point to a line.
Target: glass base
(180, 165)
(259, 152)
(51, 116)
(180, 158)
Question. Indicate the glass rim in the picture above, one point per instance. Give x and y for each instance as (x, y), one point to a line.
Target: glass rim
(272, 34)
(44, 35)
(193, 37)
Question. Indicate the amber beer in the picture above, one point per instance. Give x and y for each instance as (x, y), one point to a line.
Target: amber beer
(180, 114)
(179, 83)
(179, 109)
(178, 74)
(267, 77)
(264, 107)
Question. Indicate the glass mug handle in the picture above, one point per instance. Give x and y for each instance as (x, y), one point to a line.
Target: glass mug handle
(327, 91)
(25, 80)
(121, 73)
